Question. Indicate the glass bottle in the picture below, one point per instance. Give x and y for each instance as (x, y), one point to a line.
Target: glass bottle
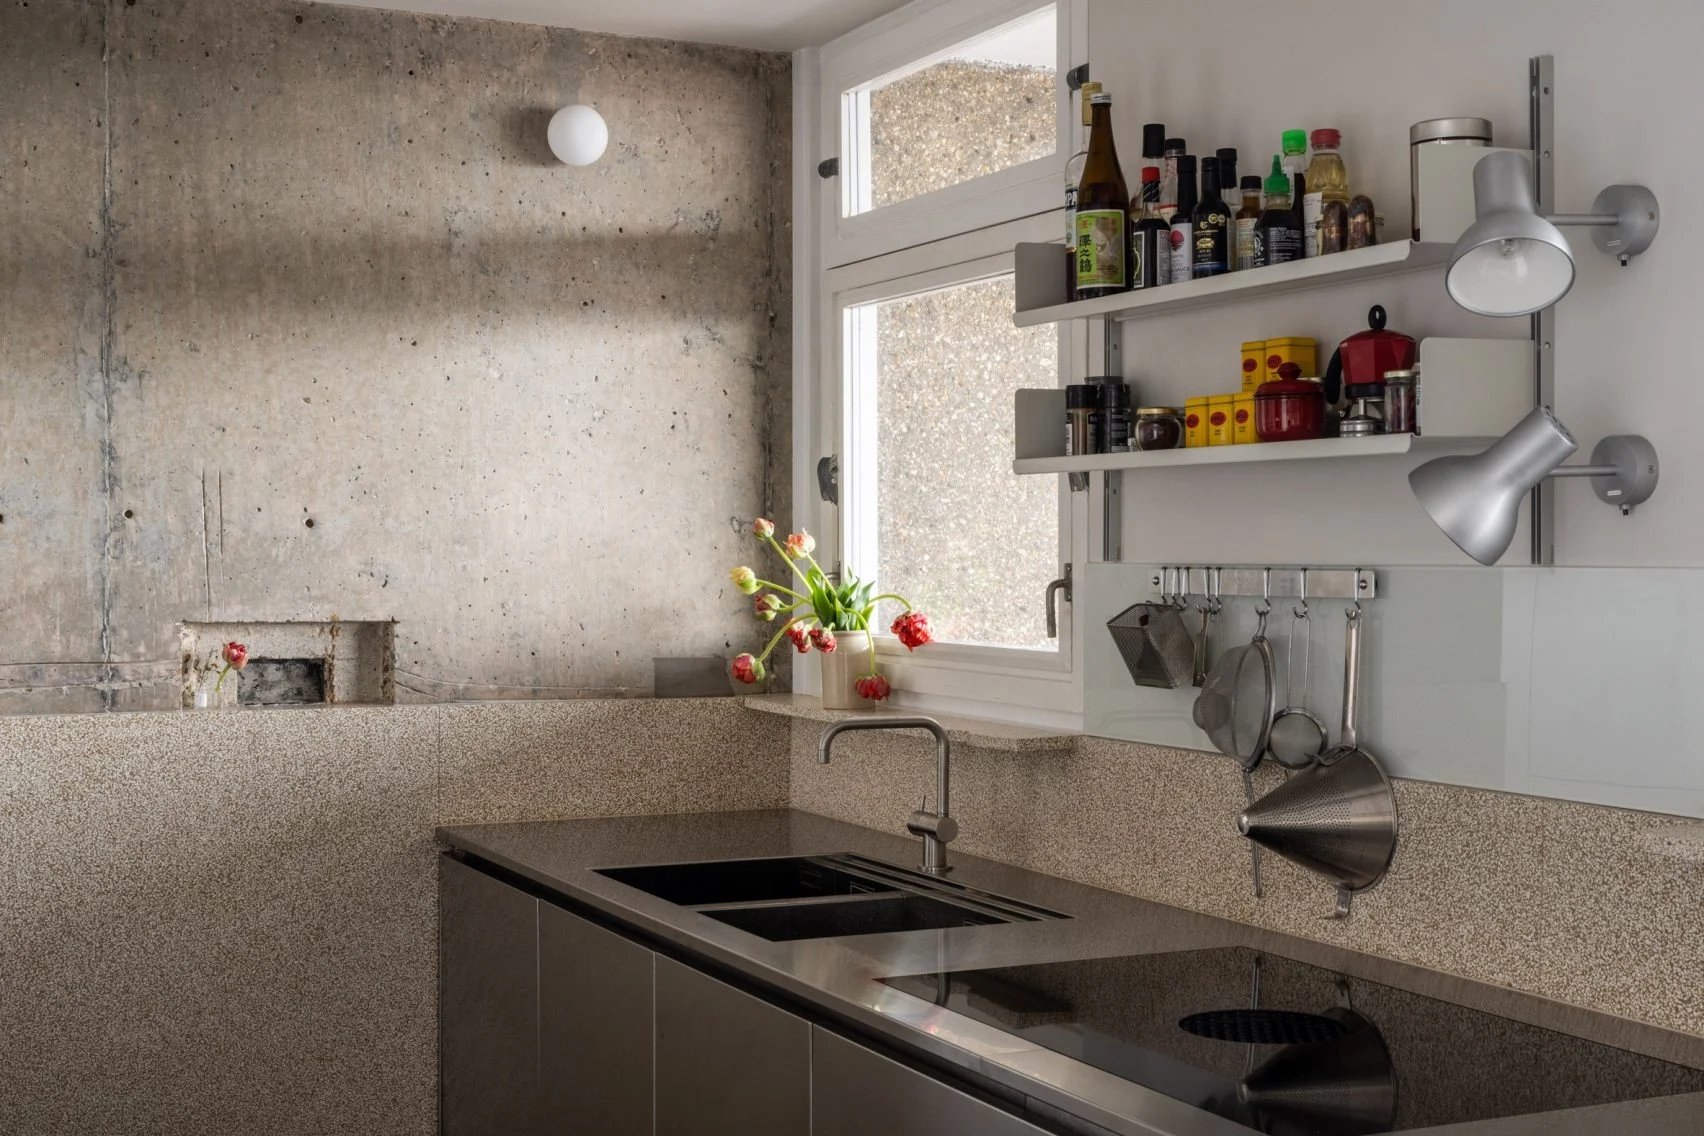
(1150, 236)
(1103, 202)
(1170, 160)
(1074, 177)
(1246, 224)
(1280, 236)
(1182, 224)
(1210, 226)
(1327, 186)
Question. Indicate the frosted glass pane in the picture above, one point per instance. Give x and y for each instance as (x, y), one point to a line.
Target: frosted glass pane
(957, 533)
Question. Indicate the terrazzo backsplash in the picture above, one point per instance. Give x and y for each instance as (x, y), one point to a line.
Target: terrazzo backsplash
(1584, 904)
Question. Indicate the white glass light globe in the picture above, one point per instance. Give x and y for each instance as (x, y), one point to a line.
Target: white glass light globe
(578, 135)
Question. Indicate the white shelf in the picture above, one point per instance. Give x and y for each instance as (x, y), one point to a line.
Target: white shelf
(1041, 282)
(1320, 449)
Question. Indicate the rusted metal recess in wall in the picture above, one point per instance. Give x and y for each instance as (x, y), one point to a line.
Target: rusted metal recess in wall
(330, 661)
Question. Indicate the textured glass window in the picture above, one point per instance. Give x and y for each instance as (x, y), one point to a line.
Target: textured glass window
(956, 531)
(987, 106)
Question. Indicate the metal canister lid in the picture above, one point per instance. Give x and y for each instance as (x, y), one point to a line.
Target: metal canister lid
(1159, 411)
(1403, 376)
(1451, 130)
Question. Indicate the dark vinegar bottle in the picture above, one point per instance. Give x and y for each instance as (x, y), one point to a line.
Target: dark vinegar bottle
(1211, 226)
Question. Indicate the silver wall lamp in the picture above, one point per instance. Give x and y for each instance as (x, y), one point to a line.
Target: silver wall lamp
(1476, 500)
(1513, 261)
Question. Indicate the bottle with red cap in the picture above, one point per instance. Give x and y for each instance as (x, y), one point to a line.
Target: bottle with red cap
(1325, 207)
(1150, 236)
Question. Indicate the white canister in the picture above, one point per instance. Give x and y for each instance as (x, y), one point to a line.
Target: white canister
(1440, 132)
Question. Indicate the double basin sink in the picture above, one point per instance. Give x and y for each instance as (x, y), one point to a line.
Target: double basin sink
(823, 897)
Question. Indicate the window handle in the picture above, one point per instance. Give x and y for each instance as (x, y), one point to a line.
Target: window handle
(1063, 584)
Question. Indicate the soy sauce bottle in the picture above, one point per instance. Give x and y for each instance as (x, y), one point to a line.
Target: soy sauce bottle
(1211, 226)
(1150, 236)
(1279, 229)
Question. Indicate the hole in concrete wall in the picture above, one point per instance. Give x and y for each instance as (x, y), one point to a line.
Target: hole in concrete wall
(281, 682)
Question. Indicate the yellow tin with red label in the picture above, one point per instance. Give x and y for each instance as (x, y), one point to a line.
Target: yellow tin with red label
(1242, 419)
(1253, 365)
(1195, 422)
(1220, 408)
(1301, 350)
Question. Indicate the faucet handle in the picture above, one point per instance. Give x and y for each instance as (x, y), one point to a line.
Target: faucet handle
(923, 823)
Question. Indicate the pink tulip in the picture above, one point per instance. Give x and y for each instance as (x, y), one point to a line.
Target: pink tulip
(800, 636)
(766, 606)
(912, 628)
(744, 579)
(748, 668)
(763, 528)
(236, 655)
(800, 544)
(872, 687)
(823, 640)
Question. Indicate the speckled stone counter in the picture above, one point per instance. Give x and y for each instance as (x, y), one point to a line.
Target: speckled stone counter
(840, 977)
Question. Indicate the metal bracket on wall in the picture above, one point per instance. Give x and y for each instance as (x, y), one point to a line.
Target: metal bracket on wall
(828, 167)
(1112, 505)
(1270, 583)
(1541, 70)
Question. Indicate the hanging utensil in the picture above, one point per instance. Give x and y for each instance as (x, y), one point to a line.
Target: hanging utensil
(1153, 640)
(1337, 818)
(1298, 735)
(1209, 608)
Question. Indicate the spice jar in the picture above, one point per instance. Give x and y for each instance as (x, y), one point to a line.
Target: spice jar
(1195, 422)
(1242, 419)
(1290, 408)
(1158, 428)
(1400, 402)
(1219, 410)
(1114, 417)
(1082, 407)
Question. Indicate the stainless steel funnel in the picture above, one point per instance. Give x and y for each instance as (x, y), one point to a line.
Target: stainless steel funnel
(1337, 820)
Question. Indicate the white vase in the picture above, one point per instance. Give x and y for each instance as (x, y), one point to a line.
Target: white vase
(841, 670)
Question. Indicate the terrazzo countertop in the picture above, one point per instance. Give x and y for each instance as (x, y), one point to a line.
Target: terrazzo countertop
(841, 978)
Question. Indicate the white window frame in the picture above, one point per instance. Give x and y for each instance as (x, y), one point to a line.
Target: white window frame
(955, 235)
(916, 35)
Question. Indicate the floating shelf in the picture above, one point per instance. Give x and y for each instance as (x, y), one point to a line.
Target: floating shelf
(1314, 450)
(1041, 282)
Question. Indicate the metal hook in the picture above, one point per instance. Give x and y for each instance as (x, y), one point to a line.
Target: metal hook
(1300, 611)
(1214, 584)
(1265, 607)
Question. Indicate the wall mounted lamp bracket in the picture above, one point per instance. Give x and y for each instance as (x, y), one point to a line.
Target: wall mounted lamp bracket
(1623, 220)
(1623, 470)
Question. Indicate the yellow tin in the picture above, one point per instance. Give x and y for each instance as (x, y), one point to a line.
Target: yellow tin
(1242, 419)
(1220, 407)
(1254, 365)
(1301, 350)
(1195, 422)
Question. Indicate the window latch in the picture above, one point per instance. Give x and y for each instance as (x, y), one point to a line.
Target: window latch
(1077, 76)
(1063, 584)
(828, 167)
(828, 479)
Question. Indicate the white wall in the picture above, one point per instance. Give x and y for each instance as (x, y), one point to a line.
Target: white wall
(1629, 88)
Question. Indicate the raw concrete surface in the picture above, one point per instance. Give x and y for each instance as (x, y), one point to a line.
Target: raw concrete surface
(303, 321)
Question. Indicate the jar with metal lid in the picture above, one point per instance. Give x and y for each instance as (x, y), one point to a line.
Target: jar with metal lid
(1082, 414)
(1115, 418)
(1158, 428)
(1401, 403)
(1440, 132)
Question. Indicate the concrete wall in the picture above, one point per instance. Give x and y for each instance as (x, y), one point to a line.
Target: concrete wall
(225, 923)
(302, 319)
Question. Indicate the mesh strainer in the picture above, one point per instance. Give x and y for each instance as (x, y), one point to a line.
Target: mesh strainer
(1155, 643)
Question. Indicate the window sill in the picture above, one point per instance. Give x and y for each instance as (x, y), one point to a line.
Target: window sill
(1003, 736)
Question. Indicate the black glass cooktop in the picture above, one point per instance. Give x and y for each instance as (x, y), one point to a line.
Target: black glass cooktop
(1286, 1048)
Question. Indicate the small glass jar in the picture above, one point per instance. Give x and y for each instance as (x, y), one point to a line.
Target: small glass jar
(1401, 404)
(1158, 428)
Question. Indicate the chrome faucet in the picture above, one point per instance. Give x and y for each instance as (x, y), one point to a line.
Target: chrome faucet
(936, 828)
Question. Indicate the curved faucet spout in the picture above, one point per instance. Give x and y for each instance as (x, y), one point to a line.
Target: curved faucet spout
(937, 828)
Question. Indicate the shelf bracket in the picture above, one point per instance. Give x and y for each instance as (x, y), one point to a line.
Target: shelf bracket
(1541, 70)
(1112, 485)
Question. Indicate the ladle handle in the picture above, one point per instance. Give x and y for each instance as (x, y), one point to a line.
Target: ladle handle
(1351, 677)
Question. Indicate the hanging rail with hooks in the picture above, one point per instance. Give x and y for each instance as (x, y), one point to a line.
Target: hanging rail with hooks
(1270, 583)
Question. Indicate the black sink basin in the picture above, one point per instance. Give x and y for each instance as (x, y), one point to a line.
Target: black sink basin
(745, 881)
(852, 917)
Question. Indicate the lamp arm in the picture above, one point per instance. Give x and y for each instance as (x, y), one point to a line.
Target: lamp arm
(1604, 220)
(1585, 471)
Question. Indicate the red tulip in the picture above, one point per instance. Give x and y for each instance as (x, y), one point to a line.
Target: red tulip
(872, 687)
(801, 544)
(748, 668)
(912, 628)
(763, 528)
(800, 636)
(236, 655)
(766, 606)
(823, 640)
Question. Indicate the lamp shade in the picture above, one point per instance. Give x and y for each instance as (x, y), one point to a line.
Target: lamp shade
(1510, 261)
(1477, 500)
(578, 135)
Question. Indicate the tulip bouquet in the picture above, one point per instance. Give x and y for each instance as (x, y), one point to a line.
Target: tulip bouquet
(817, 612)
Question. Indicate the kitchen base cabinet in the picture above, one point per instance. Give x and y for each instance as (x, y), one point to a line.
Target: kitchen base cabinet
(859, 1092)
(728, 1064)
(594, 1029)
(488, 1005)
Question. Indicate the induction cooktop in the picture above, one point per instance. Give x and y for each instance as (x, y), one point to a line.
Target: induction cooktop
(1285, 1048)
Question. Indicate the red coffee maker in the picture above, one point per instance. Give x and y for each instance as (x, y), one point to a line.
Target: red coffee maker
(1363, 358)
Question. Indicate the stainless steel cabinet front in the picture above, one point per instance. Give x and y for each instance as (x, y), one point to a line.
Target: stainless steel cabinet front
(488, 1004)
(858, 1092)
(594, 1029)
(728, 1064)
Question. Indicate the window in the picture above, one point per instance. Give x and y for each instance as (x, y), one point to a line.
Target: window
(947, 120)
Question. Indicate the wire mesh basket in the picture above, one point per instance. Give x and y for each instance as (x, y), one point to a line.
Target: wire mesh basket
(1155, 643)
